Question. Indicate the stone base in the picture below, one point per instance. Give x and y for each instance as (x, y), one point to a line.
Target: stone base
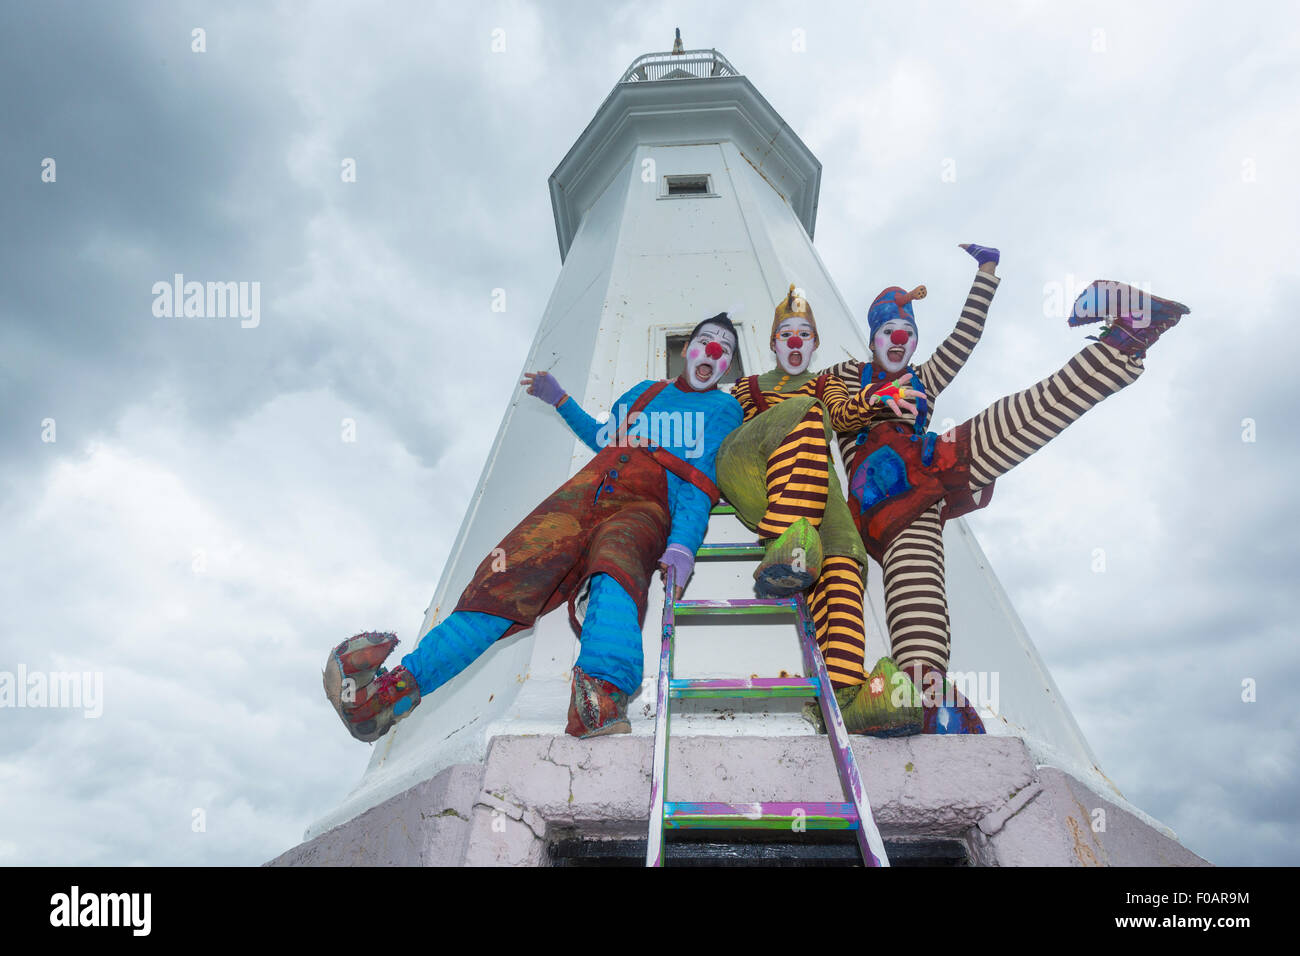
(427, 825)
(984, 791)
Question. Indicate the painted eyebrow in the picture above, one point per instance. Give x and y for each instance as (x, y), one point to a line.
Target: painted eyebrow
(726, 342)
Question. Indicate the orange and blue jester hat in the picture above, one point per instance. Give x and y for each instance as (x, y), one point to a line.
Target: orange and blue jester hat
(893, 303)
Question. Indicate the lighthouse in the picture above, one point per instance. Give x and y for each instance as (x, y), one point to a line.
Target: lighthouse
(686, 195)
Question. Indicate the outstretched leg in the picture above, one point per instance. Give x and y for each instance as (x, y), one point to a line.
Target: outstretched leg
(452, 646)
(370, 699)
(1001, 436)
(1014, 427)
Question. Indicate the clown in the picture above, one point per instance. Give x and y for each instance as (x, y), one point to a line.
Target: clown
(596, 541)
(905, 482)
(776, 470)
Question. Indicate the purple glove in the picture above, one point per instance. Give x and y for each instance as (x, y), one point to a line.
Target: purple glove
(680, 560)
(982, 254)
(544, 386)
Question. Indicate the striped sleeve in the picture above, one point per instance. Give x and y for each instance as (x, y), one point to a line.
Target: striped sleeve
(740, 392)
(849, 374)
(848, 410)
(942, 367)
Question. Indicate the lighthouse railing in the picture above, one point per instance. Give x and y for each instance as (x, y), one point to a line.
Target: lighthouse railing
(693, 63)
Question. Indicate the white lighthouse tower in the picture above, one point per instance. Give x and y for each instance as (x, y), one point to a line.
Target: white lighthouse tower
(687, 195)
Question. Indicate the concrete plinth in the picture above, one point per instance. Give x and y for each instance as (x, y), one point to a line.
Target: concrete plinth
(984, 791)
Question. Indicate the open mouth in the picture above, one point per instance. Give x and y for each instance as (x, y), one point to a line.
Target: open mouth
(704, 371)
(896, 353)
(796, 357)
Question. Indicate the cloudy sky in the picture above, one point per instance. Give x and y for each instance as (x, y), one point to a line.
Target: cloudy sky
(179, 513)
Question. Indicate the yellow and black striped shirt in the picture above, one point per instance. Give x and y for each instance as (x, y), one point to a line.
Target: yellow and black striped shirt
(847, 408)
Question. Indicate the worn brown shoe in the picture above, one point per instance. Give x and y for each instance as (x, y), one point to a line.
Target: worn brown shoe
(368, 698)
(596, 707)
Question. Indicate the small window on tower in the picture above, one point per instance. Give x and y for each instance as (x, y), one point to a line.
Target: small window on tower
(686, 187)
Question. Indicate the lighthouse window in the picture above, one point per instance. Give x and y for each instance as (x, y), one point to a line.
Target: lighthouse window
(697, 186)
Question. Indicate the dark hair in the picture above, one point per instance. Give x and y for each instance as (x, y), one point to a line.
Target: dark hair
(722, 320)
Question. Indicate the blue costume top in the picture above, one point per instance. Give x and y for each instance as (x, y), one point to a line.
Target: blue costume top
(687, 423)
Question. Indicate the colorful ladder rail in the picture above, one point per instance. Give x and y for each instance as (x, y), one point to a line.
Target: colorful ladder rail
(664, 815)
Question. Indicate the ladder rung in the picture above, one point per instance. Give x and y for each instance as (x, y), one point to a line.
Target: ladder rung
(744, 687)
(722, 509)
(731, 549)
(744, 606)
(760, 816)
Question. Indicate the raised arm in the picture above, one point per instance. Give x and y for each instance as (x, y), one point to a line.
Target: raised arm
(942, 367)
(589, 431)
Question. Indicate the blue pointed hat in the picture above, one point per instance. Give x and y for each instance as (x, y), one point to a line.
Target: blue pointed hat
(893, 303)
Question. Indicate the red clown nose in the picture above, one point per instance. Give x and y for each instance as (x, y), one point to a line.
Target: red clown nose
(713, 350)
(795, 342)
(899, 336)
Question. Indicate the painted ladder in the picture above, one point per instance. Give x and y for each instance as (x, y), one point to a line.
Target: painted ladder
(664, 815)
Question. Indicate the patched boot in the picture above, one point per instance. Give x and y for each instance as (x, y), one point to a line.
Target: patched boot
(887, 705)
(791, 562)
(943, 708)
(596, 707)
(358, 658)
(1134, 319)
(368, 698)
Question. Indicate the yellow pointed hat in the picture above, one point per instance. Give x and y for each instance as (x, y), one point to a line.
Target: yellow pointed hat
(793, 305)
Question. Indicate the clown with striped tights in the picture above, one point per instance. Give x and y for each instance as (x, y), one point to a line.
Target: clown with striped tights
(905, 481)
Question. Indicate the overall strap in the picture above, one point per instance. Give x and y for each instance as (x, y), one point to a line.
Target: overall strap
(685, 471)
(645, 399)
(756, 394)
(666, 459)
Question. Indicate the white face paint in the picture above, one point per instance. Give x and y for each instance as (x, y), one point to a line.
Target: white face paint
(893, 351)
(794, 345)
(708, 356)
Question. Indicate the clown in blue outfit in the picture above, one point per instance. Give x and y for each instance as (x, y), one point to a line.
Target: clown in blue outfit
(642, 502)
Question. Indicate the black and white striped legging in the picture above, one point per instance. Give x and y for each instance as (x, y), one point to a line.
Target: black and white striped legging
(1002, 436)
